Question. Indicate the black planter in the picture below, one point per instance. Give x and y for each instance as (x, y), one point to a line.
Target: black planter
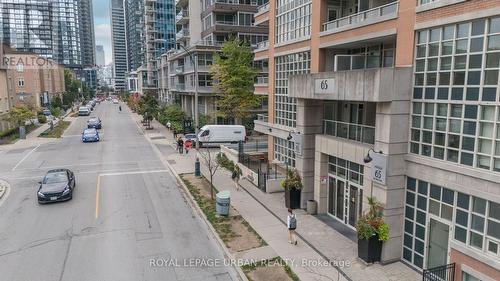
(292, 198)
(370, 250)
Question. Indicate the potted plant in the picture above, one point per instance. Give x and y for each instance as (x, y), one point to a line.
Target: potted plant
(372, 232)
(293, 186)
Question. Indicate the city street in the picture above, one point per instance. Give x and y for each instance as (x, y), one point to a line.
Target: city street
(126, 210)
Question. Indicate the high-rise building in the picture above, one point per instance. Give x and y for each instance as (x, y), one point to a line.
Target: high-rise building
(202, 28)
(134, 18)
(398, 100)
(100, 55)
(119, 44)
(159, 27)
(86, 17)
(55, 29)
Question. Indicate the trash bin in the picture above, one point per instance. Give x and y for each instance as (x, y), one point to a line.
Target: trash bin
(222, 202)
(312, 207)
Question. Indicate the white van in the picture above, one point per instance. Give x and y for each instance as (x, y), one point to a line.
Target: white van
(222, 134)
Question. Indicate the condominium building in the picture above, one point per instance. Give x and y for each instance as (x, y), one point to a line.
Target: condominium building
(100, 55)
(159, 28)
(118, 44)
(414, 86)
(202, 28)
(134, 18)
(61, 30)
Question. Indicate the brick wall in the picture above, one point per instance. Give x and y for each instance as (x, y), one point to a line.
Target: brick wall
(457, 9)
(459, 258)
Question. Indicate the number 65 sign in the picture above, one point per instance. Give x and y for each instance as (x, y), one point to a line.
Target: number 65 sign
(324, 86)
(379, 167)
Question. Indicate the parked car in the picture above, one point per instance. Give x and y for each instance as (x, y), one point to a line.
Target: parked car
(83, 111)
(57, 185)
(221, 134)
(94, 122)
(47, 112)
(90, 135)
(191, 137)
(115, 101)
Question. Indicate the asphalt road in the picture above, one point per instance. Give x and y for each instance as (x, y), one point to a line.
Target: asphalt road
(126, 212)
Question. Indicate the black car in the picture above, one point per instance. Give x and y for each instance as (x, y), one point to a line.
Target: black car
(94, 122)
(57, 185)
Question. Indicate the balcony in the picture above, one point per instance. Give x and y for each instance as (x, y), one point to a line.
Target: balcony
(182, 34)
(261, 80)
(262, 15)
(223, 22)
(182, 17)
(263, 8)
(363, 85)
(350, 131)
(370, 16)
(262, 118)
(179, 86)
(179, 69)
(263, 45)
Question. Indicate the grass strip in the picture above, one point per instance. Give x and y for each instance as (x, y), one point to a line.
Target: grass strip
(274, 261)
(57, 131)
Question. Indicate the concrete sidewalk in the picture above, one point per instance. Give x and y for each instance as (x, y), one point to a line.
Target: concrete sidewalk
(321, 254)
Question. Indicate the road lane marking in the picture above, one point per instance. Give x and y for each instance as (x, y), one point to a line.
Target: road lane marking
(24, 158)
(98, 186)
(97, 192)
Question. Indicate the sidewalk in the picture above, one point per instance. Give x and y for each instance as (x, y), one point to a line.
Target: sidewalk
(266, 213)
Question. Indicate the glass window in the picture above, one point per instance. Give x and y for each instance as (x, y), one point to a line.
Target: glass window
(463, 201)
(478, 205)
(462, 218)
(476, 240)
(460, 234)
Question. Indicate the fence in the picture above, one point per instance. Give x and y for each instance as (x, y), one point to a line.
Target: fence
(440, 273)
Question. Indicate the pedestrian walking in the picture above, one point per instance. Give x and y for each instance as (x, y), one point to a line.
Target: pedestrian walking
(180, 145)
(188, 144)
(236, 175)
(175, 134)
(169, 125)
(291, 222)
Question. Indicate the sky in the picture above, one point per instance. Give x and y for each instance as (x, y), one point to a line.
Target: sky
(102, 27)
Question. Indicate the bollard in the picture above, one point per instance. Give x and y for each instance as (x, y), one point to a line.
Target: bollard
(197, 170)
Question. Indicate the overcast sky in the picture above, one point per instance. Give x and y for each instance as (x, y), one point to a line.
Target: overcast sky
(102, 26)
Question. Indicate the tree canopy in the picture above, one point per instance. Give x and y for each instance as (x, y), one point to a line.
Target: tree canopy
(234, 76)
(20, 114)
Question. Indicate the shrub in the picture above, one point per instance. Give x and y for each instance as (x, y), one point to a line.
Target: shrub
(42, 118)
(372, 223)
(225, 162)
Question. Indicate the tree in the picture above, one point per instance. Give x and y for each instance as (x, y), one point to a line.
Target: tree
(235, 76)
(210, 160)
(173, 114)
(148, 108)
(19, 115)
(57, 103)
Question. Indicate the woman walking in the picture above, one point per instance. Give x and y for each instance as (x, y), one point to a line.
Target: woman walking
(291, 222)
(236, 176)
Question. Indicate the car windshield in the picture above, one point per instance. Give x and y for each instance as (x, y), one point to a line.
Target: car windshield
(92, 120)
(190, 136)
(55, 178)
(89, 132)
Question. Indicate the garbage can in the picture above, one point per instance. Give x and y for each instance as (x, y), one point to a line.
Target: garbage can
(222, 202)
(312, 207)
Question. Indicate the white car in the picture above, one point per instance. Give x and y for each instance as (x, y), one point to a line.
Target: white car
(115, 101)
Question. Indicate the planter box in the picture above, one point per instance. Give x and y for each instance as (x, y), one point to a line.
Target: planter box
(370, 250)
(292, 198)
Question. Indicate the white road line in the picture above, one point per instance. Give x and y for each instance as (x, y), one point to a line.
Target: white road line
(24, 158)
(134, 173)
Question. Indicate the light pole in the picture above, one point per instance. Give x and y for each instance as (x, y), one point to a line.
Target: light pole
(369, 159)
(196, 113)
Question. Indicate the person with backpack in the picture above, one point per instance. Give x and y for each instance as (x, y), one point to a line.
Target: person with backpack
(291, 222)
(180, 145)
(236, 176)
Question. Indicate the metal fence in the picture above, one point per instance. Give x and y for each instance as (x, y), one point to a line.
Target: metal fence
(440, 273)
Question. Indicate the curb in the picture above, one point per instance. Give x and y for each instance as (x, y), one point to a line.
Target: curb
(194, 205)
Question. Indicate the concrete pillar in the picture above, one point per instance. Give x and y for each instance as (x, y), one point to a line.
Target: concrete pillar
(309, 123)
(320, 189)
(391, 137)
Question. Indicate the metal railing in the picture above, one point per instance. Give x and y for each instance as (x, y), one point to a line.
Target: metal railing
(263, 45)
(179, 69)
(226, 22)
(182, 14)
(180, 86)
(384, 10)
(440, 273)
(351, 131)
(262, 118)
(263, 8)
(182, 33)
(291, 5)
(242, 2)
(262, 80)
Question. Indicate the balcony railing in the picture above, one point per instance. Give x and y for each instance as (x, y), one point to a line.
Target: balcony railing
(384, 10)
(262, 80)
(179, 86)
(226, 22)
(263, 8)
(440, 273)
(353, 62)
(351, 131)
(242, 2)
(182, 33)
(263, 117)
(263, 45)
(182, 14)
(179, 69)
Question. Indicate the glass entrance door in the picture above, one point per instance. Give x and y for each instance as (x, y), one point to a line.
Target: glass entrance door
(344, 201)
(437, 247)
(353, 205)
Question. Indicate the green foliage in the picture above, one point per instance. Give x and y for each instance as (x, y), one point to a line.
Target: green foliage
(235, 76)
(225, 162)
(172, 114)
(56, 103)
(148, 108)
(57, 131)
(292, 181)
(42, 119)
(56, 112)
(372, 222)
(20, 114)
